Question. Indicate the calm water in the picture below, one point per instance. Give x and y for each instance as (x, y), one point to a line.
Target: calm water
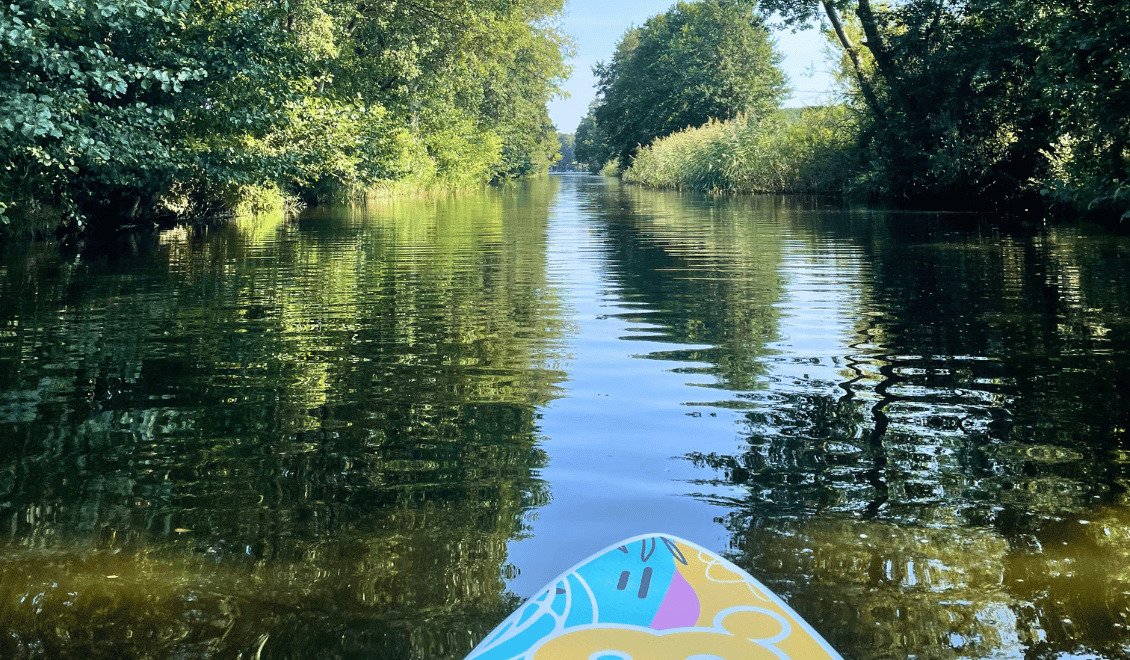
(370, 433)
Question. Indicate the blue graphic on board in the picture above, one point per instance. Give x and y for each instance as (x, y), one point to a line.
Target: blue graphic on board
(624, 586)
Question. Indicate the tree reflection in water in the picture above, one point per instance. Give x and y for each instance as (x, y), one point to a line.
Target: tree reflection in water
(320, 437)
(945, 475)
(288, 439)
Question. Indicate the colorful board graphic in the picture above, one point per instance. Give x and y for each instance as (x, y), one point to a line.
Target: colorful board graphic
(654, 597)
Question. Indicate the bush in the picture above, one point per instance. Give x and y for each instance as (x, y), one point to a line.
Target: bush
(610, 169)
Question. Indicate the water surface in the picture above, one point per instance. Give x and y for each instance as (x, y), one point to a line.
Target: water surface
(371, 432)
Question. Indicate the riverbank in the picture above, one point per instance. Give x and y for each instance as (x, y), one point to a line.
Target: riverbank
(251, 203)
(174, 111)
(823, 150)
(964, 105)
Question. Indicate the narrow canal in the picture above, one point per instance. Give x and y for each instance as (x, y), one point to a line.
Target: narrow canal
(372, 432)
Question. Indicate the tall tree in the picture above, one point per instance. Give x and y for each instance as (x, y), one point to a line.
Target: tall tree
(1082, 77)
(591, 149)
(468, 80)
(988, 100)
(946, 84)
(122, 108)
(699, 61)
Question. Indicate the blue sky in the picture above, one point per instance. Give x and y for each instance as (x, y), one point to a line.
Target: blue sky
(596, 25)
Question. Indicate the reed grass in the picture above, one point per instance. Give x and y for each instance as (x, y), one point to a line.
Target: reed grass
(784, 152)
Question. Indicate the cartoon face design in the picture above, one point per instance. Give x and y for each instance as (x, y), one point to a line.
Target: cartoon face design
(634, 581)
(653, 597)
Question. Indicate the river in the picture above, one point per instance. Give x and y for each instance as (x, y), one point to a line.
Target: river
(370, 432)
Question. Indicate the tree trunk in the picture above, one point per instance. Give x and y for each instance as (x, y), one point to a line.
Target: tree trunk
(856, 61)
(883, 62)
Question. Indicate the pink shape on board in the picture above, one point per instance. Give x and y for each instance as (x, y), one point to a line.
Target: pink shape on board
(680, 606)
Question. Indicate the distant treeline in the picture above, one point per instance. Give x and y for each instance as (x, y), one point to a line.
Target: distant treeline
(126, 110)
(567, 162)
(946, 103)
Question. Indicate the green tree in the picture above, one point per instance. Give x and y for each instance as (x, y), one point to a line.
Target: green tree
(699, 61)
(946, 86)
(591, 149)
(568, 160)
(467, 80)
(133, 108)
(108, 103)
(1081, 77)
(988, 100)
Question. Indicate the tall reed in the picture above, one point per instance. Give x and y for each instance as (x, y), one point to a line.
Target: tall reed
(783, 152)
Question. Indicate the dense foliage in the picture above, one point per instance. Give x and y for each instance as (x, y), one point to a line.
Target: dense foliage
(987, 100)
(590, 144)
(568, 148)
(955, 103)
(117, 109)
(704, 60)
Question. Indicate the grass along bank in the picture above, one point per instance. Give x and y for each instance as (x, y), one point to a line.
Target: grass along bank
(787, 151)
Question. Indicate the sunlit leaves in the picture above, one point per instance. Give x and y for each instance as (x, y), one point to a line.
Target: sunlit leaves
(108, 102)
(108, 106)
(993, 100)
(1082, 76)
(467, 79)
(699, 61)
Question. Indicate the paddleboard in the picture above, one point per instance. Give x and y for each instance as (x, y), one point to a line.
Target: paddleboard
(654, 597)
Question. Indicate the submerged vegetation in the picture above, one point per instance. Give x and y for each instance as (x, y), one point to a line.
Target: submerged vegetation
(123, 110)
(946, 103)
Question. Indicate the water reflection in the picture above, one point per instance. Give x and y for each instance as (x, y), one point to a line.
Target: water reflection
(934, 427)
(369, 432)
(279, 439)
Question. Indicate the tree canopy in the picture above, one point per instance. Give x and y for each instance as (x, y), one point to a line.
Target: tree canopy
(988, 99)
(704, 60)
(138, 108)
(568, 161)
